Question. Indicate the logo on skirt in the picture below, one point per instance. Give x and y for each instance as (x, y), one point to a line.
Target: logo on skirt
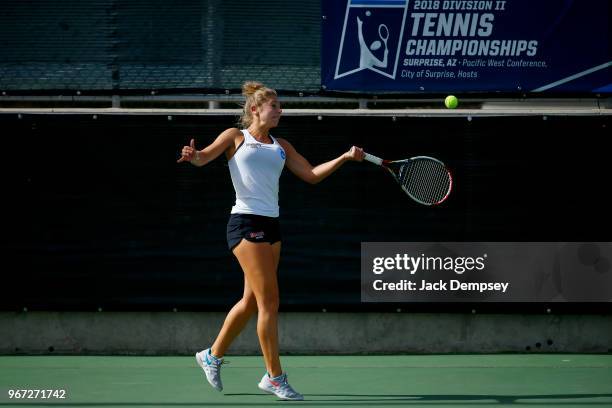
(256, 235)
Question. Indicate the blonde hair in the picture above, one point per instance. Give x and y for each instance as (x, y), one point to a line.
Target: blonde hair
(256, 94)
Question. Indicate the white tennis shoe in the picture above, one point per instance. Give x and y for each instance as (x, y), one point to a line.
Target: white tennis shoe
(212, 368)
(279, 387)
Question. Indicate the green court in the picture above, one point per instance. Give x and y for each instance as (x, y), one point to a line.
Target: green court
(566, 380)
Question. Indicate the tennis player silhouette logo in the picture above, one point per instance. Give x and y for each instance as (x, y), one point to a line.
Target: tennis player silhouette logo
(371, 37)
(367, 59)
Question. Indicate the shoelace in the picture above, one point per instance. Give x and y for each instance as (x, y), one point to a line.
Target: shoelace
(215, 361)
(288, 389)
(285, 386)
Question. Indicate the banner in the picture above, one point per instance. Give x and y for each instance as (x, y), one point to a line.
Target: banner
(486, 272)
(466, 46)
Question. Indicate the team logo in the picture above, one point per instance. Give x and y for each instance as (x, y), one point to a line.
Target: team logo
(371, 37)
(256, 235)
(282, 154)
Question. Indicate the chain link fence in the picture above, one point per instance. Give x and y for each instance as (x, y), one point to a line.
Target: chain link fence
(136, 45)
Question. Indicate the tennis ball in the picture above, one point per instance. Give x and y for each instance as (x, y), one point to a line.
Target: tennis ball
(451, 101)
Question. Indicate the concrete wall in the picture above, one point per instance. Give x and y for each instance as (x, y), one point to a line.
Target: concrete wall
(304, 333)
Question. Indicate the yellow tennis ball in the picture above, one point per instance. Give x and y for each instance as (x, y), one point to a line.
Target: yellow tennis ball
(451, 101)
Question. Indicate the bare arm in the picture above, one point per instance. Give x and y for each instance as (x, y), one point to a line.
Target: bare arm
(199, 158)
(315, 174)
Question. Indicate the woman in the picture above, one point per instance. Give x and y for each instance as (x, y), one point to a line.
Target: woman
(256, 160)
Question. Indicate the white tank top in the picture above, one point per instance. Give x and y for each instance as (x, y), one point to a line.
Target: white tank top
(255, 169)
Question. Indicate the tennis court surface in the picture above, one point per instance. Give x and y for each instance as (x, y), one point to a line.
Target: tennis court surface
(526, 380)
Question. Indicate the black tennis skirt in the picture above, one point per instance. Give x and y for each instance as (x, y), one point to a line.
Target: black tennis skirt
(254, 228)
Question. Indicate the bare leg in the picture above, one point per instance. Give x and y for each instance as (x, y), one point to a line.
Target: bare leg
(240, 314)
(235, 321)
(259, 262)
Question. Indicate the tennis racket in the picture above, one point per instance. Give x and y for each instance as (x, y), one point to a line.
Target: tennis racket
(426, 180)
(384, 35)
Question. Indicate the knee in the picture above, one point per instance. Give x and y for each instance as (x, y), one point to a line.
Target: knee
(268, 304)
(249, 304)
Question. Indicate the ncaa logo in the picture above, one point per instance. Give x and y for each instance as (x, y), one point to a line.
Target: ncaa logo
(371, 37)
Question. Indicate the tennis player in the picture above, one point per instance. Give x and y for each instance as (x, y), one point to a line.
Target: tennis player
(256, 160)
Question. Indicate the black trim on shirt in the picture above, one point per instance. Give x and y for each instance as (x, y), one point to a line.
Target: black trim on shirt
(240, 145)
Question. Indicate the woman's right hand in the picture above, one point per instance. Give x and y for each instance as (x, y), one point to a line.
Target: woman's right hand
(188, 153)
(355, 153)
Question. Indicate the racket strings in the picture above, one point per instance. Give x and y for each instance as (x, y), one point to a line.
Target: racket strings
(427, 181)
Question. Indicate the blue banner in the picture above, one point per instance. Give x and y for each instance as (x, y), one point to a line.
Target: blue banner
(466, 46)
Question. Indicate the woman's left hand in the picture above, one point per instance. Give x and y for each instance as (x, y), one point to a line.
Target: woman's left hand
(355, 153)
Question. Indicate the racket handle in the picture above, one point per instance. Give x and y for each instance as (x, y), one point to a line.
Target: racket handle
(373, 159)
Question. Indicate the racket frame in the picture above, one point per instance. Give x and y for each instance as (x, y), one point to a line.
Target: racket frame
(385, 164)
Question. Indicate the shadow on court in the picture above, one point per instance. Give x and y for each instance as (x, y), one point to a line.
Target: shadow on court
(365, 400)
(459, 399)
